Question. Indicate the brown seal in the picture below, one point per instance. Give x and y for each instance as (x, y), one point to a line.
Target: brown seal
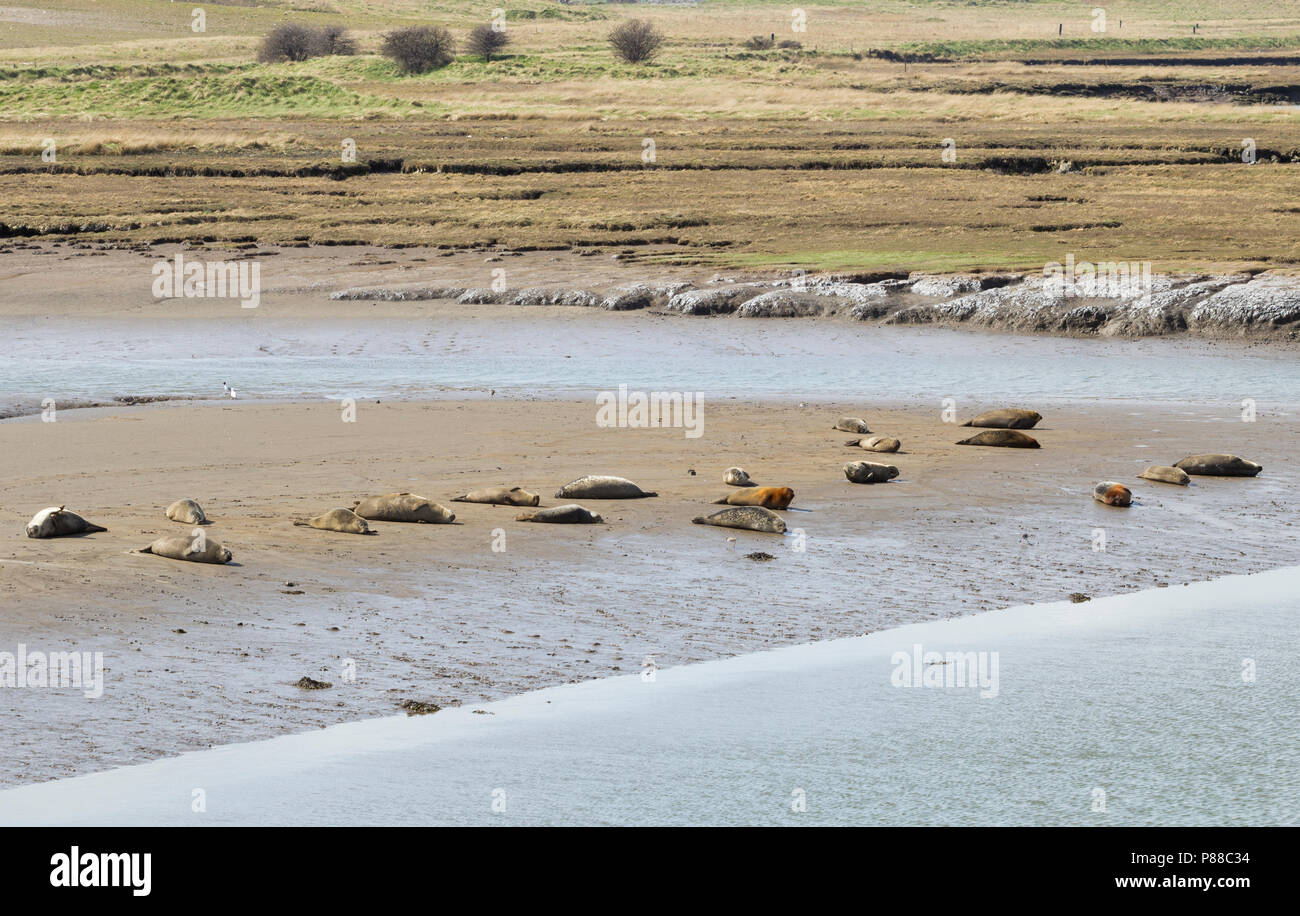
(1004, 438)
(404, 507)
(1112, 493)
(1006, 418)
(1213, 465)
(767, 497)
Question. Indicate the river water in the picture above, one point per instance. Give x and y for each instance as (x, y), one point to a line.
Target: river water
(1173, 706)
(531, 354)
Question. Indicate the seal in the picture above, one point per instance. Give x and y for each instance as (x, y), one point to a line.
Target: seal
(187, 511)
(596, 486)
(196, 549)
(1218, 466)
(851, 425)
(1165, 474)
(737, 477)
(56, 522)
(869, 472)
(572, 514)
(1006, 418)
(344, 521)
(767, 497)
(500, 496)
(403, 507)
(1112, 493)
(877, 444)
(1005, 438)
(752, 518)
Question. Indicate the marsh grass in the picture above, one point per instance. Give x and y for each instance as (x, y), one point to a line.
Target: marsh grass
(816, 157)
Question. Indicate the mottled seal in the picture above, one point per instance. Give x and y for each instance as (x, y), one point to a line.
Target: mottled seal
(767, 497)
(404, 507)
(196, 549)
(1005, 438)
(869, 472)
(1218, 466)
(851, 425)
(344, 521)
(56, 522)
(1165, 474)
(754, 518)
(572, 514)
(1006, 418)
(500, 496)
(187, 511)
(877, 444)
(737, 477)
(1112, 493)
(596, 486)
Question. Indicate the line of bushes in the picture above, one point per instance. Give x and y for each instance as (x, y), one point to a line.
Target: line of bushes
(421, 48)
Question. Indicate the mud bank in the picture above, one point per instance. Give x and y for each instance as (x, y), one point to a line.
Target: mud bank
(1236, 305)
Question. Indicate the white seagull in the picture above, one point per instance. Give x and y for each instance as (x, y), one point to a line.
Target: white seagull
(230, 392)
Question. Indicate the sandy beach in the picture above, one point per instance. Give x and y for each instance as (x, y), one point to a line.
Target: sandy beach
(198, 656)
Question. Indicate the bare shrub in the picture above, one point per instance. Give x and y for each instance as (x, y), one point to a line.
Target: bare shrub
(420, 48)
(290, 41)
(759, 43)
(334, 39)
(486, 41)
(294, 42)
(636, 40)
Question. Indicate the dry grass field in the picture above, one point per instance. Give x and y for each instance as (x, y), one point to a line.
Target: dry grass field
(1123, 144)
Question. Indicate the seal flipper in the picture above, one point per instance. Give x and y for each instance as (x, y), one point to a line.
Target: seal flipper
(91, 529)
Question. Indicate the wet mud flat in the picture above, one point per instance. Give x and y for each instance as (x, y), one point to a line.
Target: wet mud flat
(197, 656)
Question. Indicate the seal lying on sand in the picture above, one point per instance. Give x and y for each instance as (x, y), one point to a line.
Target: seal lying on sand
(55, 522)
(1218, 466)
(595, 486)
(737, 477)
(1112, 493)
(404, 507)
(194, 549)
(753, 518)
(1007, 418)
(1006, 438)
(187, 511)
(1166, 474)
(869, 472)
(851, 425)
(767, 497)
(572, 514)
(500, 496)
(344, 521)
(877, 444)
